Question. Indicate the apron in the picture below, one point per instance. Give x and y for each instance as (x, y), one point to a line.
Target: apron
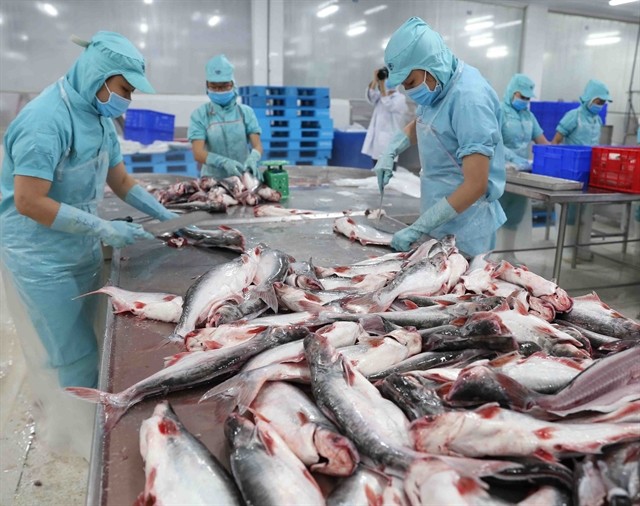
(51, 268)
(475, 227)
(226, 138)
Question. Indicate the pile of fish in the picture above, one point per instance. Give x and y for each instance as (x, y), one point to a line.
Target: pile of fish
(214, 196)
(408, 378)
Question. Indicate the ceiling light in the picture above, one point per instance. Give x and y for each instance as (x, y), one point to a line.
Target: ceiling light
(214, 20)
(148, 2)
(326, 28)
(480, 25)
(479, 19)
(142, 44)
(47, 8)
(327, 11)
(484, 39)
(24, 37)
(602, 35)
(373, 10)
(613, 3)
(144, 27)
(507, 24)
(497, 52)
(602, 41)
(1, 20)
(356, 30)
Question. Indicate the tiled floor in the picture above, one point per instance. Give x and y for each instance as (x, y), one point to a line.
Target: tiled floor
(33, 475)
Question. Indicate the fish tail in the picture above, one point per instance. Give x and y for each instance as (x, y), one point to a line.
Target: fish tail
(113, 406)
(107, 289)
(268, 295)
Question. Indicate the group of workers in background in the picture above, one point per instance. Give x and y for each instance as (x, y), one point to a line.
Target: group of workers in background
(62, 148)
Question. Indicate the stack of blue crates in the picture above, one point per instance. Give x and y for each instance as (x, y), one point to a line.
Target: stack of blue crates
(177, 162)
(549, 114)
(295, 121)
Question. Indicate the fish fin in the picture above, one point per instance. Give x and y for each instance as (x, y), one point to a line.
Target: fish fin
(267, 441)
(105, 289)
(349, 372)
(459, 322)
(409, 304)
(112, 411)
(174, 359)
(268, 295)
(310, 307)
(237, 392)
(545, 456)
(212, 345)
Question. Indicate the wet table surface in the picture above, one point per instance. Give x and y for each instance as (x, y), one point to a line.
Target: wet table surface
(134, 349)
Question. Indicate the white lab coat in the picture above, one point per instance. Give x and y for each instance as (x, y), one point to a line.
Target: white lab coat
(390, 114)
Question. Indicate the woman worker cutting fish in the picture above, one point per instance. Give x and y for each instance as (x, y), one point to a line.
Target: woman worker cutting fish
(59, 152)
(459, 141)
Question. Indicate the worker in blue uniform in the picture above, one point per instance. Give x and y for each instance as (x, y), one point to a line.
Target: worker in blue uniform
(59, 152)
(222, 130)
(582, 127)
(457, 129)
(519, 128)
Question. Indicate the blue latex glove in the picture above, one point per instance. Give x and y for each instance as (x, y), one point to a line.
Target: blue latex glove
(384, 165)
(438, 214)
(113, 233)
(251, 164)
(142, 200)
(229, 166)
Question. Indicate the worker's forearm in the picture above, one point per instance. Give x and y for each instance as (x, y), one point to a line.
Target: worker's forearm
(410, 131)
(120, 181)
(557, 139)
(43, 209)
(476, 179)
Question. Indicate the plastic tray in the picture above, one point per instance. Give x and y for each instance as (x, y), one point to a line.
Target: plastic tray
(616, 168)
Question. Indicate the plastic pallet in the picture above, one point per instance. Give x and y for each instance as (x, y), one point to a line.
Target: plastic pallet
(168, 157)
(278, 145)
(317, 161)
(286, 101)
(290, 91)
(297, 155)
(291, 112)
(187, 169)
(271, 123)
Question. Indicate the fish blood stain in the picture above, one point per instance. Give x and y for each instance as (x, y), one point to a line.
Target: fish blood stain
(167, 427)
(544, 433)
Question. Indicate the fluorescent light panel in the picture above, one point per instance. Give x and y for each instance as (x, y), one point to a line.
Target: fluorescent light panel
(327, 11)
(375, 9)
(356, 30)
(214, 20)
(613, 3)
(481, 25)
(497, 52)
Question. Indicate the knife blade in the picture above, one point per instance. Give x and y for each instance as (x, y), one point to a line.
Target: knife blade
(380, 206)
(175, 224)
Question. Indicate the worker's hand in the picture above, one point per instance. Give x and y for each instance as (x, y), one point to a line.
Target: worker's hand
(231, 167)
(403, 239)
(142, 200)
(251, 164)
(384, 171)
(122, 233)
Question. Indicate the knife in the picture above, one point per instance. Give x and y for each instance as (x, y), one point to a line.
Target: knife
(173, 225)
(380, 206)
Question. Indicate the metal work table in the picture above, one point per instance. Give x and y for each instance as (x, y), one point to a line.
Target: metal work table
(135, 349)
(564, 198)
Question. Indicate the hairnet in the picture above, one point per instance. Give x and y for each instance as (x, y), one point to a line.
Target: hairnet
(520, 83)
(415, 45)
(219, 70)
(595, 89)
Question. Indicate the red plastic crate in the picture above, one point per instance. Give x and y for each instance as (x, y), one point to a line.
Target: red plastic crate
(616, 169)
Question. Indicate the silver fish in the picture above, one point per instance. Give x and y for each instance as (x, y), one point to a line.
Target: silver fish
(303, 275)
(262, 462)
(299, 299)
(164, 307)
(221, 237)
(361, 233)
(178, 467)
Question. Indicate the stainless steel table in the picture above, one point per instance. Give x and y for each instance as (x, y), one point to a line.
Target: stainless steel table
(564, 198)
(134, 349)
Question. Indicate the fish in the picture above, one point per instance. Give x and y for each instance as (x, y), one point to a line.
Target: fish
(262, 462)
(221, 237)
(209, 206)
(547, 496)
(303, 275)
(416, 396)
(604, 386)
(493, 431)
(422, 318)
(211, 338)
(536, 285)
(179, 469)
(186, 370)
(272, 268)
(364, 234)
(268, 194)
(368, 487)
(251, 307)
(219, 284)
(278, 210)
(378, 427)
(234, 186)
(299, 299)
(358, 284)
(591, 313)
(164, 307)
(351, 271)
(309, 434)
(427, 277)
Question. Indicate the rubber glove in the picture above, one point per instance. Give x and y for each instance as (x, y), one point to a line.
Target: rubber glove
(441, 212)
(142, 200)
(113, 233)
(229, 166)
(251, 164)
(384, 165)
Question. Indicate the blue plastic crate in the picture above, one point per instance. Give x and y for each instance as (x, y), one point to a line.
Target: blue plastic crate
(566, 162)
(290, 91)
(291, 112)
(306, 134)
(171, 162)
(286, 101)
(280, 144)
(549, 114)
(270, 123)
(306, 154)
(347, 150)
(146, 126)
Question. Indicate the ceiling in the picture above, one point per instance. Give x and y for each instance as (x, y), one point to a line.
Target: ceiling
(594, 8)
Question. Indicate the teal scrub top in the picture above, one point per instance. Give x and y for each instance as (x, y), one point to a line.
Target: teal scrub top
(580, 127)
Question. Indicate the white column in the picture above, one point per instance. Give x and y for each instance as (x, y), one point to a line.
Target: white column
(276, 42)
(259, 34)
(534, 36)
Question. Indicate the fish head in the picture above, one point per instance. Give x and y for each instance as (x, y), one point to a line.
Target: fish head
(338, 455)
(239, 430)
